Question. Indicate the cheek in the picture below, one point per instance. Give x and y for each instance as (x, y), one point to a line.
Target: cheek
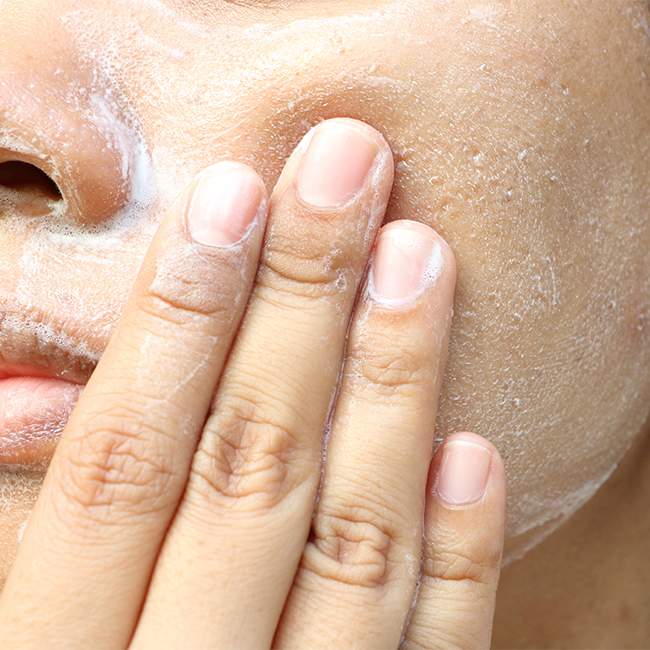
(538, 177)
(562, 395)
(550, 353)
(497, 145)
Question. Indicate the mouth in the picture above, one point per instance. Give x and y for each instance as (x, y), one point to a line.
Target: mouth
(44, 366)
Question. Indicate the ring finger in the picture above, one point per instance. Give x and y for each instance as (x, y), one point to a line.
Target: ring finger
(361, 564)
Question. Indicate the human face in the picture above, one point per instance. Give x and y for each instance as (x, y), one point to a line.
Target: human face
(521, 132)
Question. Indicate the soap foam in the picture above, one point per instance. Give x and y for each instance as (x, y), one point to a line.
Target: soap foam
(496, 402)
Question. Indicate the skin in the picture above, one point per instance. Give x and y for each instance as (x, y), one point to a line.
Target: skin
(186, 491)
(519, 132)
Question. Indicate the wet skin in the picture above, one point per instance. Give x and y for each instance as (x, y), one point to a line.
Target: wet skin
(520, 132)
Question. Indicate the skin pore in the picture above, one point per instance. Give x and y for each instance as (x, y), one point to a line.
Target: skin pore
(520, 132)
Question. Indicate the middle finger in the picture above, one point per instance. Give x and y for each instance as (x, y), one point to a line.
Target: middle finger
(240, 531)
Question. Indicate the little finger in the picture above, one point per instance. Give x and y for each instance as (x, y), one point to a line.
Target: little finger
(464, 523)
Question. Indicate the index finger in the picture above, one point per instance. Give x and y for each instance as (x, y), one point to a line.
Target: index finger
(123, 460)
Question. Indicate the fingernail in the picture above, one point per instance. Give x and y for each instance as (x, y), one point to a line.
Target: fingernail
(405, 262)
(463, 473)
(224, 204)
(335, 165)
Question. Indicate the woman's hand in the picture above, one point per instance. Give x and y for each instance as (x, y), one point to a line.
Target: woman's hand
(180, 509)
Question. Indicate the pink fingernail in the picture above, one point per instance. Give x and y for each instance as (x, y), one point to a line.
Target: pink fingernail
(336, 165)
(406, 260)
(463, 473)
(224, 204)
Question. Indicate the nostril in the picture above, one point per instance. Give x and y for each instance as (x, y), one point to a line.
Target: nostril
(27, 185)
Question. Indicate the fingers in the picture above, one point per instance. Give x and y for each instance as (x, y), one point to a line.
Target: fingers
(235, 551)
(241, 529)
(464, 524)
(122, 463)
(360, 566)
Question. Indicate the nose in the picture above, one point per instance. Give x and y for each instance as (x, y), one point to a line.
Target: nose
(65, 141)
(80, 144)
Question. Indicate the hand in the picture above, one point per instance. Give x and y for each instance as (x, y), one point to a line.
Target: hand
(180, 508)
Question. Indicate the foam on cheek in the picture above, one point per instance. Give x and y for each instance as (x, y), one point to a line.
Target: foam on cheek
(520, 394)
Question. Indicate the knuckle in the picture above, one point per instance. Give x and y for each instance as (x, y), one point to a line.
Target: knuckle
(386, 371)
(182, 306)
(305, 273)
(119, 473)
(352, 548)
(457, 566)
(188, 285)
(249, 464)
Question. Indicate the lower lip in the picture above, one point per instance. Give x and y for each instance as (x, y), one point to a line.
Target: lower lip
(33, 413)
